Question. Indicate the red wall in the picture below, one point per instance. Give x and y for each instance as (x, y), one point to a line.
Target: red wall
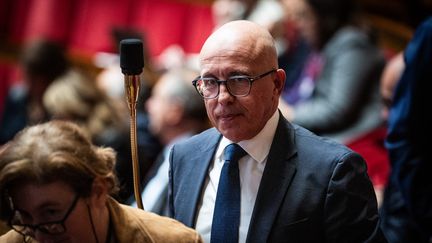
(85, 25)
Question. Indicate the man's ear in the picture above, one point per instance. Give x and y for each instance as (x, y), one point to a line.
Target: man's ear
(279, 81)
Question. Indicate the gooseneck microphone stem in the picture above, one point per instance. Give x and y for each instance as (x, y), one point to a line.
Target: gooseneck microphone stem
(132, 86)
(132, 63)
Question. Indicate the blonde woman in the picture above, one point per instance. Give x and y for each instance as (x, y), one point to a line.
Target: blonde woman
(55, 186)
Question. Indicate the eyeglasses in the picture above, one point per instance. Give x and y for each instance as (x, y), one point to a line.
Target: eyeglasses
(238, 86)
(51, 228)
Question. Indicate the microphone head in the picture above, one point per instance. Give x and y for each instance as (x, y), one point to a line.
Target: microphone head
(131, 56)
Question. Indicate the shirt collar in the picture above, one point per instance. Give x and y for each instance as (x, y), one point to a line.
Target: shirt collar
(257, 147)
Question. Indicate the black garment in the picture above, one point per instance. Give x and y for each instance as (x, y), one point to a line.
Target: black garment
(15, 116)
(292, 61)
(148, 149)
(407, 206)
(161, 207)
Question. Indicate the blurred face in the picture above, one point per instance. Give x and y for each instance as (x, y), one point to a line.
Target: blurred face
(389, 79)
(240, 118)
(227, 10)
(158, 108)
(303, 16)
(39, 204)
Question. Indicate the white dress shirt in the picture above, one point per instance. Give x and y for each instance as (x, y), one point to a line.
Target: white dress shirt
(251, 169)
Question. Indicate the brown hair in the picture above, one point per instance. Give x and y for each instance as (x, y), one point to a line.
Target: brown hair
(54, 151)
(75, 97)
(332, 16)
(44, 59)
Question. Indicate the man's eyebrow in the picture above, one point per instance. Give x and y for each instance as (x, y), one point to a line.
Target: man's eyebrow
(230, 74)
(237, 73)
(208, 75)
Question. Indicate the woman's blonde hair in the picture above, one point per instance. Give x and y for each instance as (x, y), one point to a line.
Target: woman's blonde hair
(54, 151)
(75, 97)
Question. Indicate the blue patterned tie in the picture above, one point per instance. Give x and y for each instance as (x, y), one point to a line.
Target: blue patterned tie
(226, 215)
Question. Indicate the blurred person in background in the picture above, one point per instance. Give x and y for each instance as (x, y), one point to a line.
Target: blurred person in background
(41, 62)
(176, 112)
(56, 186)
(75, 97)
(344, 101)
(371, 145)
(291, 47)
(389, 79)
(295, 56)
(407, 209)
(263, 12)
(293, 51)
(267, 13)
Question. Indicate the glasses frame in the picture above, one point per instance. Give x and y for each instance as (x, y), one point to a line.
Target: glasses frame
(42, 227)
(219, 82)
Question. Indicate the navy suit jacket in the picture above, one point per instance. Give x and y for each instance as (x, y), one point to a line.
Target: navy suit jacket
(407, 207)
(312, 189)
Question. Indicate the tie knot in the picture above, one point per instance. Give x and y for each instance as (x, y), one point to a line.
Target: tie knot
(234, 152)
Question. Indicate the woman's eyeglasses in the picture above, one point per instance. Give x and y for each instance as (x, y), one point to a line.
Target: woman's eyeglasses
(51, 228)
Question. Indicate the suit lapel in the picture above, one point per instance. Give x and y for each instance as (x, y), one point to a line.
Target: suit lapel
(187, 210)
(277, 176)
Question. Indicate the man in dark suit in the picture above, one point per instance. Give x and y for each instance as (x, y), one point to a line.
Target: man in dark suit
(294, 185)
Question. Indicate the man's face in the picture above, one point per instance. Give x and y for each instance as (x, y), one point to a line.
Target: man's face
(240, 118)
(300, 13)
(242, 48)
(158, 108)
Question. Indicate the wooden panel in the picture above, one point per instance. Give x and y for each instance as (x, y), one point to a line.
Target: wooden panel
(392, 35)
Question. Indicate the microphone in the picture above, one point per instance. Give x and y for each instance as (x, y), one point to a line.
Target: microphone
(132, 64)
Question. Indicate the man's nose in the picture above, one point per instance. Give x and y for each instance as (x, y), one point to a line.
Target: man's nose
(224, 94)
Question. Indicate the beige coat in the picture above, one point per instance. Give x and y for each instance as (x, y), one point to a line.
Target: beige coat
(135, 225)
(3, 228)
